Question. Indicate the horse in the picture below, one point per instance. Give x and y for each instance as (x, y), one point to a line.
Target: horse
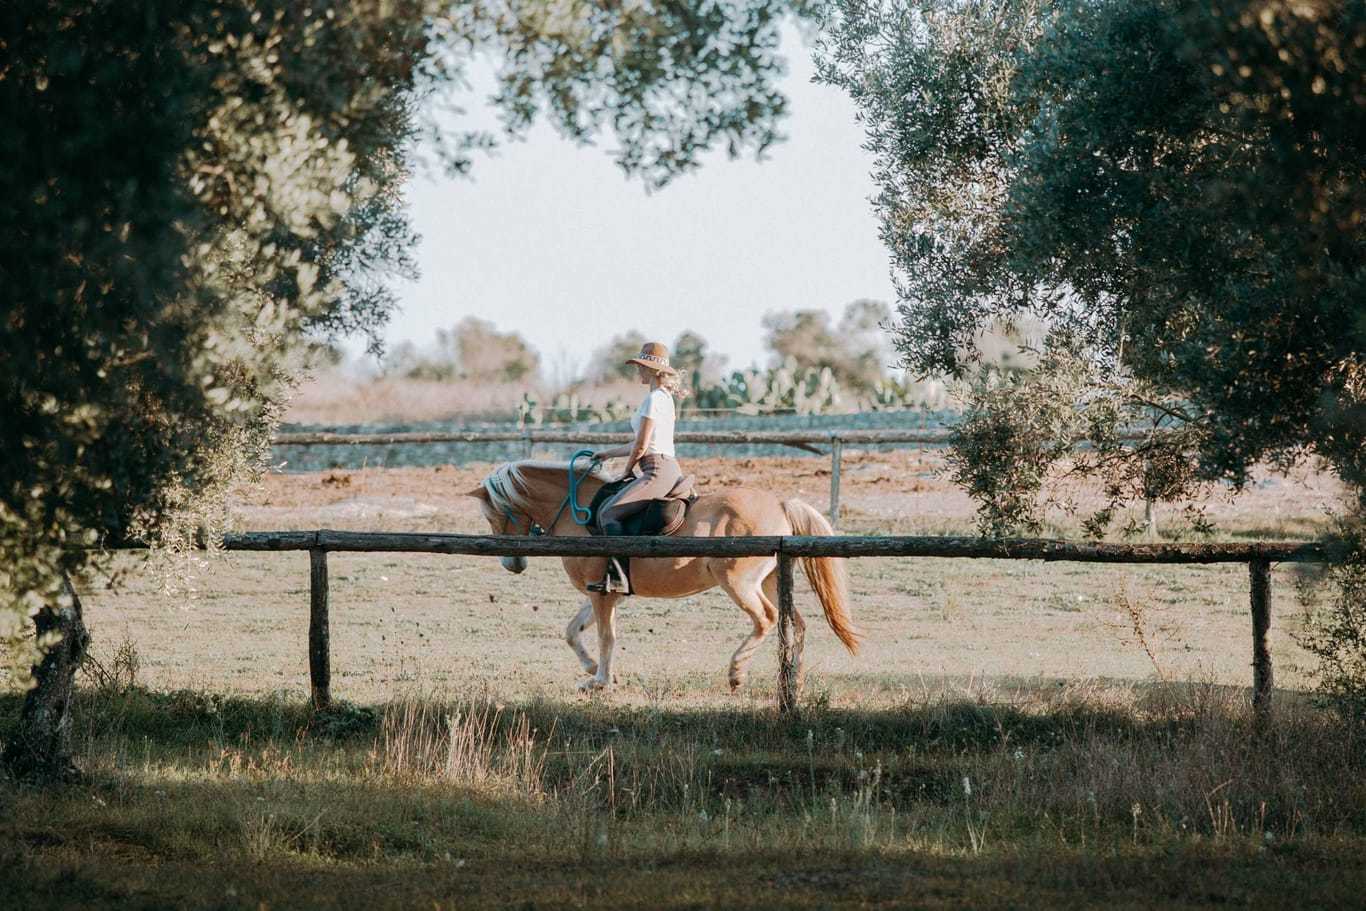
(526, 496)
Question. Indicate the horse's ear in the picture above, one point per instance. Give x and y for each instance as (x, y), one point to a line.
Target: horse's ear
(479, 492)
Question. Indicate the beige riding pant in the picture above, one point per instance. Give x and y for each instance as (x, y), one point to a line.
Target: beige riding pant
(658, 475)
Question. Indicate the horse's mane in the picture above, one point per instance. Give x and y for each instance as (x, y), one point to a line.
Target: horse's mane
(522, 487)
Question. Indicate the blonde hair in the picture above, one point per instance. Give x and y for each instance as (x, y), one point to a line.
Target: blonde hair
(672, 383)
(519, 487)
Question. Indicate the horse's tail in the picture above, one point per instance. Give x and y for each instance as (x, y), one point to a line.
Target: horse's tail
(826, 574)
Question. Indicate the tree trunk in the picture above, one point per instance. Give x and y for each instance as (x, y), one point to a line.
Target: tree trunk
(41, 748)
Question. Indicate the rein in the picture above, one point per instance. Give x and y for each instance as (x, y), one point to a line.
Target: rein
(571, 499)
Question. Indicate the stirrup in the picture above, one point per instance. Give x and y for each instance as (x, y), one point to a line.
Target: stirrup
(615, 580)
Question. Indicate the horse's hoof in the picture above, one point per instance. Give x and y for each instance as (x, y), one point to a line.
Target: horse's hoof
(591, 685)
(736, 683)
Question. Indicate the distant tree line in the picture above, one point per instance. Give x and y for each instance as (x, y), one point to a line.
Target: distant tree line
(815, 364)
(471, 351)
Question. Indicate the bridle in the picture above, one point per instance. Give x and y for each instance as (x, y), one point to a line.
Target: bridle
(582, 515)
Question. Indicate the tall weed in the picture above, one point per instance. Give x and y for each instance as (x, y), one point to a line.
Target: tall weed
(475, 744)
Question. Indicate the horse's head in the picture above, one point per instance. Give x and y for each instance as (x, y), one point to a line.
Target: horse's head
(518, 495)
(494, 503)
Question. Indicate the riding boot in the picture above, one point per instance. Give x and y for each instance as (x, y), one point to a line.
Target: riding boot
(616, 579)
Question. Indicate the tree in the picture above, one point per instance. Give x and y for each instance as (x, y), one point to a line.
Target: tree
(486, 355)
(195, 192)
(855, 351)
(863, 330)
(1178, 187)
(693, 358)
(183, 183)
(1019, 425)
(608, 362)
(670, 78)
(805, 336)
(473, 351)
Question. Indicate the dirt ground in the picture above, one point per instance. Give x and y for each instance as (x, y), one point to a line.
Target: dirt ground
(444, 623)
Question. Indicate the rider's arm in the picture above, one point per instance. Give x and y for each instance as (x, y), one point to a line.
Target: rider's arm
(642, 442)
(635, 449)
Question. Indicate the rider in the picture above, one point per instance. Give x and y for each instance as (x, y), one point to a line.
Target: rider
(652, 451)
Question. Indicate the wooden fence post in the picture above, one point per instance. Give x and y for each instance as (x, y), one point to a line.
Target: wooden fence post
(789, 646)
(319, 663)
(1262, 677)
(836, 456)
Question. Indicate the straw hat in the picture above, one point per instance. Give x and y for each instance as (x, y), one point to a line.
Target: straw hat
(654, 356)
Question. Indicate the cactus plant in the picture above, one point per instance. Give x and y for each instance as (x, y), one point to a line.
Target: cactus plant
(786, 388)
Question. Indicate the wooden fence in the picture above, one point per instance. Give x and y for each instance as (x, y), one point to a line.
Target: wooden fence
(806, 440)
(1258, 557)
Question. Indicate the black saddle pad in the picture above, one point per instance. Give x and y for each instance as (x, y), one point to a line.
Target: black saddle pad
(660, 514)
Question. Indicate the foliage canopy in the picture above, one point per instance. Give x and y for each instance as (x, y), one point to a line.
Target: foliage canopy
(196, 191)
(1181, 187)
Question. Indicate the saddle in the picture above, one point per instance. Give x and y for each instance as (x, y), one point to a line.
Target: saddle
(662, 517)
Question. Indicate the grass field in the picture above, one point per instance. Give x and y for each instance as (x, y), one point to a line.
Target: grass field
(1014, 734)
(1064, 797)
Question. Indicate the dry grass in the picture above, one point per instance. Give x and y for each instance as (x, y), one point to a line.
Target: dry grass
(1073, 794)
(341, 397)
(466, 744)
(1003, 742)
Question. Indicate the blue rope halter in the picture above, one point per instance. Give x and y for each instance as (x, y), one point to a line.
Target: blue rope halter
(582, 515)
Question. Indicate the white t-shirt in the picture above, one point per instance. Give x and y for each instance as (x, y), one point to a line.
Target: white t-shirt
(658, 406)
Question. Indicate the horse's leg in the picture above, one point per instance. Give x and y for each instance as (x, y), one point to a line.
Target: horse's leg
(798, 623)
(572, 634)
(604, 609)
(746, 589)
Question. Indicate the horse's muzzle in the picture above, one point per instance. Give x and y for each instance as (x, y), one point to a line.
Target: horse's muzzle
(513, 564)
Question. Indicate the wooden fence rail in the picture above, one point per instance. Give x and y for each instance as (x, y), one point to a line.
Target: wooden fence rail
(774, 437)
(1258, 557)
(806, 440)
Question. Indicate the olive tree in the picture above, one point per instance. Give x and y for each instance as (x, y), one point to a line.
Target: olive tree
(1175, 188)
(194, 192)
(1178, 190)
(184, 184)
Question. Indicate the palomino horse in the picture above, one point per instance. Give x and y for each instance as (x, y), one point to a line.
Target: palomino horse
(520, 495)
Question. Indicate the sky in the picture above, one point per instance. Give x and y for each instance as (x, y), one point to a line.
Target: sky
(550, 240)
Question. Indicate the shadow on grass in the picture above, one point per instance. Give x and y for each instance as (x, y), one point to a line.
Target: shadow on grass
(101, 872)
(209, 801)
(193, 718)
(920, 750)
